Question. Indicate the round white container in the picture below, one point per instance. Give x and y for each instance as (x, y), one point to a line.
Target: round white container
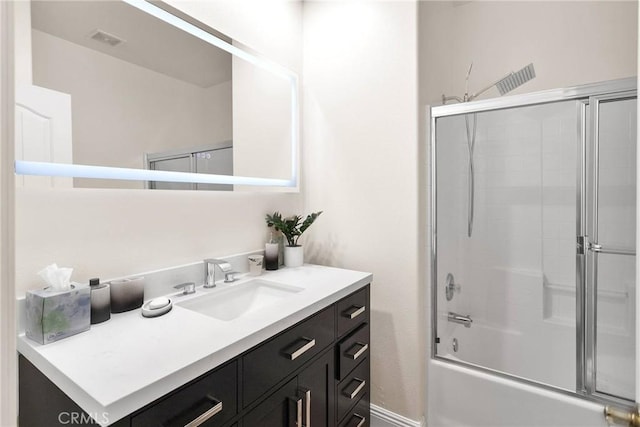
(293, 256)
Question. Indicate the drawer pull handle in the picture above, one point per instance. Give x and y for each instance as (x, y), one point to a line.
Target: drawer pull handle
(355, 391)
(354, 311)
(310, 342)
(217, 408)
(357, 421)
(354, 355)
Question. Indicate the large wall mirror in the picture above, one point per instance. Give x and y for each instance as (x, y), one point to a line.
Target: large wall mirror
(133, 94)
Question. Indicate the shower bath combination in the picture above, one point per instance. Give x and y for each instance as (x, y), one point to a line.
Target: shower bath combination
(504, 85)
(549, 275)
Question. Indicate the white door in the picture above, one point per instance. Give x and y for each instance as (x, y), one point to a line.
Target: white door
(43, 132)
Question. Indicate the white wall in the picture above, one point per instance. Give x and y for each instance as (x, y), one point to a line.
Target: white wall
(8, 360)
(569, 43)
(107, 233)
(360, 148)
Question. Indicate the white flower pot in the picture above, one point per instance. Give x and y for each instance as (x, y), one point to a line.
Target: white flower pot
(293, 256)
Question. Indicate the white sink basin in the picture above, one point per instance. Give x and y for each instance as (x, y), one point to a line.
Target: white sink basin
(231, 302)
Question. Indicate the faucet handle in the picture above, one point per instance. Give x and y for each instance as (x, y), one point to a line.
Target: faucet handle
(230, 276)
(187, 288)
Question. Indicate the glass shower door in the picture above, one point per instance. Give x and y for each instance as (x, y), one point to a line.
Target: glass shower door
(611, 213)
(514, 294)
(506, 205)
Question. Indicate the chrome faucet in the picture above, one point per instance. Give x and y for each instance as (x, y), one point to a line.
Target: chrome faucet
(466, 321)
(210, 271)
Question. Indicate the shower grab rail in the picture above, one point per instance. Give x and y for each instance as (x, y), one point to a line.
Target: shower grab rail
(460, 319)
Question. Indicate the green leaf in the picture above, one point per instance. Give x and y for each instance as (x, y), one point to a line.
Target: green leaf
(309, 220)
(291, 227)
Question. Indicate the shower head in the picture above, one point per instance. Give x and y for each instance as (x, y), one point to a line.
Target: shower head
(504, 85)
(513, 80)
(509, 82)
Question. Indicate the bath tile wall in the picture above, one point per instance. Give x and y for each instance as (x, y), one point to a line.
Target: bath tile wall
(560, 145)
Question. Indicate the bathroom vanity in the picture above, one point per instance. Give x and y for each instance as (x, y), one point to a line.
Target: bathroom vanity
(302, 360)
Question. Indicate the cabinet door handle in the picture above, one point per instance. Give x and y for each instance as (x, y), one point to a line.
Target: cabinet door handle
(307, 406)
(354, 355)
(355, 391)
(293, 355)
(295, 419)
(354, 311)
(356, 421)
(217, 408)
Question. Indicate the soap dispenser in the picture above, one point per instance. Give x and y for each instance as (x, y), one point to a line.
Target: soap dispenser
(100, 301)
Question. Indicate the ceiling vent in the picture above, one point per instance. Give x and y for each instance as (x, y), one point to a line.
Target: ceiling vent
(106, 38)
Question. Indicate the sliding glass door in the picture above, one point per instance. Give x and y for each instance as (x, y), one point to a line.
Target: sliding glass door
(611, 249)
(533, 238)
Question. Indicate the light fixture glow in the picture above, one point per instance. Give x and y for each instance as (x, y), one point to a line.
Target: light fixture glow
(170, 19)
(24, 167)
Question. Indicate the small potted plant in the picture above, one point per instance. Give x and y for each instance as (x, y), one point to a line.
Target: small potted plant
(292, 228)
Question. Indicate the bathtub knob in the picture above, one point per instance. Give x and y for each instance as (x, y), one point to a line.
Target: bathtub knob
(450, 287)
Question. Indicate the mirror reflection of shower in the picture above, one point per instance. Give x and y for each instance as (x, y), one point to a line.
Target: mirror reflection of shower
(504, 85)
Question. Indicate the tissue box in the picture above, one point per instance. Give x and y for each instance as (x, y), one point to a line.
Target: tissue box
(53, 315)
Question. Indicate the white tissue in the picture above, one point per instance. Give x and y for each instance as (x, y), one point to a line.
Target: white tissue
(58, 279)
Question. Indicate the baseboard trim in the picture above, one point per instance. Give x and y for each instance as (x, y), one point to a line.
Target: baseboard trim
(392, 418)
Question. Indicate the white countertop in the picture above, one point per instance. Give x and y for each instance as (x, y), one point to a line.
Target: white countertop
(129, 361)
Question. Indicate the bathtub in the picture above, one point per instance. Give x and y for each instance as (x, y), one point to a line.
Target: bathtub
(459, 396)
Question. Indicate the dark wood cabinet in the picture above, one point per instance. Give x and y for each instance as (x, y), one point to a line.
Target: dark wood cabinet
(306, 400)
(278, 409)
(316, 385)
(212, 399)
(287, 352)
(313, 373)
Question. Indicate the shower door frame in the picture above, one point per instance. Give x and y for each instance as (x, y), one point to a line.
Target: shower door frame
(585, 324)
(586, 379)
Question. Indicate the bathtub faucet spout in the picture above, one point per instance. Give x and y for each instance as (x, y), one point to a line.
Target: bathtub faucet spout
(458, 318)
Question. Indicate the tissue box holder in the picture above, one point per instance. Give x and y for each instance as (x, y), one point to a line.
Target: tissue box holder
(53, 315)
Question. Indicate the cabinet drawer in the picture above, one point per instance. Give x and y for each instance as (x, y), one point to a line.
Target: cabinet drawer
(269, 363)
(353, 388)
(352, 350)
(359, 416)
(213, 397)
(353, 310)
